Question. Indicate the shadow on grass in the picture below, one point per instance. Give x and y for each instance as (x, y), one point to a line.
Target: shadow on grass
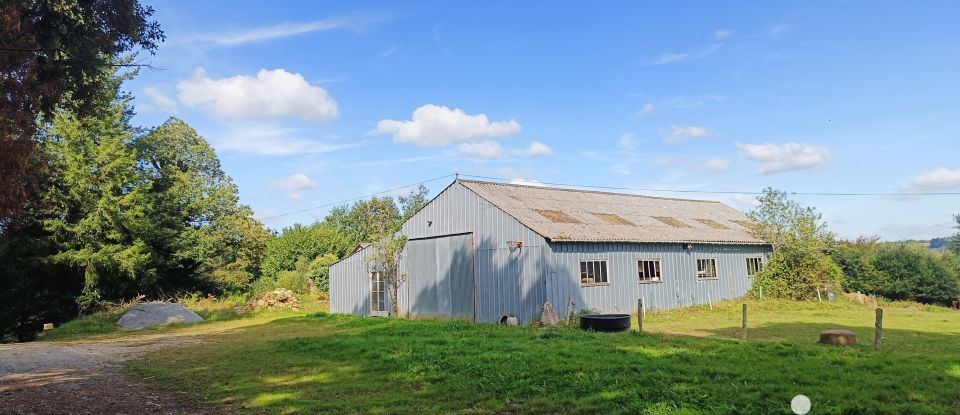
(341, 364)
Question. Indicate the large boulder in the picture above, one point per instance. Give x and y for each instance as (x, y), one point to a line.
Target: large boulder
(156, 314)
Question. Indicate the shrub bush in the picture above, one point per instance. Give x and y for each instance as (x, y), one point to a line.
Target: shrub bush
(899, 272)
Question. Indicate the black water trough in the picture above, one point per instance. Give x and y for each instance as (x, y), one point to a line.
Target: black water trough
(605, 322)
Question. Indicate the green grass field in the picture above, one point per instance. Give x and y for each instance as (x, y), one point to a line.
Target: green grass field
(320, 363)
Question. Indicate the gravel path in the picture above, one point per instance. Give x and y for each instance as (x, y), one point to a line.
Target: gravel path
(86, 378)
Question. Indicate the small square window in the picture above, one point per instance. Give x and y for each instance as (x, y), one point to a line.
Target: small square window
(707, 268)
(754, 265)
(648, 270)
(593, 272)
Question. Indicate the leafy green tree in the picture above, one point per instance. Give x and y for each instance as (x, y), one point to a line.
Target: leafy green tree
(33, 289)
(203, 235)
(800, 265)
(52, 55)
(378, 221)
(298, 242)
(856, 261)
(955, 241)
(307, 277)
(412, 202)
(97, 204)
(365, 219)
(918, 275)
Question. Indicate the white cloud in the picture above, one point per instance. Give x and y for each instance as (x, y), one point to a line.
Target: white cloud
(646, 109)
(258, 34)
(271, 94)
(269, 140)
(776, 158)
(489, 149)
(159, 102)
(940, 178)
(722, 33)
(538, 149)
(293, 182)
(670, 58)
(626, 141)
(694, 164)
(526, 182)
(436, 125)
(743, 201)
(677, 134)
(690, 102)
(715, 165)
(482, 149)
(264, 214)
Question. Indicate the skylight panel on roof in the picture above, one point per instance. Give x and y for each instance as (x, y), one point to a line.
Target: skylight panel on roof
(671, 221)
(612, 219)
(745, 223)
(557, 216)
(713, 224)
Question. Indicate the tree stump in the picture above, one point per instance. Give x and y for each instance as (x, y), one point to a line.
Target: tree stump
(838, 337)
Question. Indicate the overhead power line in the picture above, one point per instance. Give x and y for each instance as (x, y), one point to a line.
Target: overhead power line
(633, 189)
(734, 192)
(356, 198)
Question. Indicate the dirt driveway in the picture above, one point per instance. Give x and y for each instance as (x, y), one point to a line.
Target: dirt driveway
(86, 378)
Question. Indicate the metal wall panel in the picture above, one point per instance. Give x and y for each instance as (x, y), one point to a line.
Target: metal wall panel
(350, 286)
(679, 286)
(518, 281)
(507, 282)
(440, 277)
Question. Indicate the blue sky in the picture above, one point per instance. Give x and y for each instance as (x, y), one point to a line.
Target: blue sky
(315, 102)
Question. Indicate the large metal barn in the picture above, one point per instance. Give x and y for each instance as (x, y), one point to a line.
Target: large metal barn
(482, 250)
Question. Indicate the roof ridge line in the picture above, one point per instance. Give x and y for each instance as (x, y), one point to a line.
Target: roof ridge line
(589, 191)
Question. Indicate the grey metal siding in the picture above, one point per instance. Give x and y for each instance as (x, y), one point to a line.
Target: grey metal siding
(507, 282)
(518, 281)
(350, 286)
(440, 277)
(679, 286)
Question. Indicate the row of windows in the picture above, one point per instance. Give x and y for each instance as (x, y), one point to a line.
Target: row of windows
(594, 271)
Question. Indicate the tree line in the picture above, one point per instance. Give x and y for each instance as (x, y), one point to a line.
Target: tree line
(808, 259)
(120, 211)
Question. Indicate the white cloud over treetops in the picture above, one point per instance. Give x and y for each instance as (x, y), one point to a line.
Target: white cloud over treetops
(776, 158)
(268, 139)
(159, 102)
(437, 126)
(270, 94)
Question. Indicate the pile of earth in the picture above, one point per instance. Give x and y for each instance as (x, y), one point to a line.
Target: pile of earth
(156, 314)
(279, 299)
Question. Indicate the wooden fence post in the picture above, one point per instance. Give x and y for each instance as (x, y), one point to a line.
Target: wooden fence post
(640, 314)
(744, 321)
(878, 338)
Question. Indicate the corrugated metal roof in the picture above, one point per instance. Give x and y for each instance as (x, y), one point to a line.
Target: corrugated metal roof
(651, 219)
